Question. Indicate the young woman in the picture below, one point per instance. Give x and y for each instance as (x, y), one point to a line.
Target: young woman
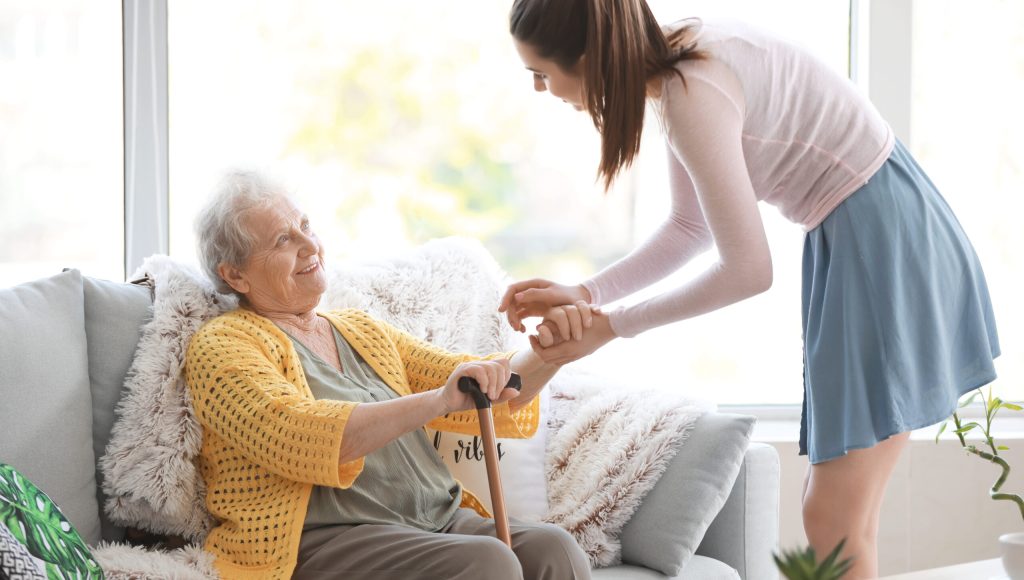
(896, 315)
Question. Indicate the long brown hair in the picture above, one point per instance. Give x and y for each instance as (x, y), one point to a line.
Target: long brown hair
(622, 47)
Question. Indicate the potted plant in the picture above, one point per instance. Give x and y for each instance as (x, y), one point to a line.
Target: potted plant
(1011, 545)
(801, 564)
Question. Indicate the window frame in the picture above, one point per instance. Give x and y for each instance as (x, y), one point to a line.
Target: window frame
(146, 128)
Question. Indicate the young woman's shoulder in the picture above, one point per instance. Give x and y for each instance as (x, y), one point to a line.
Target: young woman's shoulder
(700, 83)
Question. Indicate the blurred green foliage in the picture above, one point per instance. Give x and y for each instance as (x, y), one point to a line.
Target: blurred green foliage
(376, 124)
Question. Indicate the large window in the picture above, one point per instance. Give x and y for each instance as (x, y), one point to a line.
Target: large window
(401, 121)
(397, 122)
(61, 185)
(967, 130)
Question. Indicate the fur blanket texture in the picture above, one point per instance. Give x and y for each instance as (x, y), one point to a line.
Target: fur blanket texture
(120, 562)
(150, 475)
(605, 450)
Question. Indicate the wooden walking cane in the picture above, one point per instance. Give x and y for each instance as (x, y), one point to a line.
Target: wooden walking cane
(483, 408)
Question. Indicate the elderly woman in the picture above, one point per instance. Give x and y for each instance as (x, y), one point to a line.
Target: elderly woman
(314, 454)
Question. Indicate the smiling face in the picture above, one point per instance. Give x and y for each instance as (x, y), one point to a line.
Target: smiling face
(548, 76)
(284, 273)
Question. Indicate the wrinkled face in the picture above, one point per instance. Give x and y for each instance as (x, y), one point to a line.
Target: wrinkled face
(285, 271)
(548, 76)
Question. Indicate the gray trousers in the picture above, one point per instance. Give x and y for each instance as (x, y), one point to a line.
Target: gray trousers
(465, 549)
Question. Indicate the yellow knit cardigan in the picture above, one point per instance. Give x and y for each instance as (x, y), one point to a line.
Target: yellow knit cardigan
(267, 441)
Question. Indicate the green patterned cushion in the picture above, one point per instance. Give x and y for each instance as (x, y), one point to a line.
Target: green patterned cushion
(30, 524)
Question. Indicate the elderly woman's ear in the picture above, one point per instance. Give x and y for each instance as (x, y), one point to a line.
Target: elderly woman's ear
(234, 278)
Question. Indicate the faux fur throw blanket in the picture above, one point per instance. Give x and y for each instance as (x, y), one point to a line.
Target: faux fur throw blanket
(121, 562)
(150, 475)
(606, 449)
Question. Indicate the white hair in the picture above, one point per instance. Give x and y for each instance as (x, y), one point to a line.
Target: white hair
(220, 231)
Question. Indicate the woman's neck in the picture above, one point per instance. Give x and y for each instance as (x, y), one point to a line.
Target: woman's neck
(306, 322)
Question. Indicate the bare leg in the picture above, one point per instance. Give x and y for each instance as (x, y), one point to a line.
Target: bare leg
(842, 499)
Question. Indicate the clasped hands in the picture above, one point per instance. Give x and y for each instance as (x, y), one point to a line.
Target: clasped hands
(571, 328)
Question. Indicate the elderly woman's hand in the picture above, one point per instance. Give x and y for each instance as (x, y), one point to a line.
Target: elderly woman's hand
(492, 375)
(569, 333)
(565, 323)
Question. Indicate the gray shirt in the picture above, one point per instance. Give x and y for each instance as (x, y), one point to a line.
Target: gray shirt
(405, 482)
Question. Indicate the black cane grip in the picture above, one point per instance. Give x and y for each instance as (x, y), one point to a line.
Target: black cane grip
(469, 385)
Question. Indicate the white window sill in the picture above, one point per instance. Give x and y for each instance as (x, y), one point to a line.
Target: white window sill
(781, 424)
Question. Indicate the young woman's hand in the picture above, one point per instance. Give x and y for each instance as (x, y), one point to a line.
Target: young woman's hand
(560, 350)
(492, 375)
(535, 297)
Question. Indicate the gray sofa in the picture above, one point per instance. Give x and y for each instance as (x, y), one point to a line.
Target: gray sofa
(68, 341)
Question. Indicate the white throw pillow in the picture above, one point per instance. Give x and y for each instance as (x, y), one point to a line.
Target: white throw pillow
(521, 462)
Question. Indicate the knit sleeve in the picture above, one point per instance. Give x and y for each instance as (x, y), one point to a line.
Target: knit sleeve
(242, 397)
(704, 126)
(681, 237)
(428, 367)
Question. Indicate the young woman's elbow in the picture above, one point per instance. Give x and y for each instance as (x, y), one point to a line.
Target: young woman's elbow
(759, 277)
(764, 282)
(765, 279)
(750, 277)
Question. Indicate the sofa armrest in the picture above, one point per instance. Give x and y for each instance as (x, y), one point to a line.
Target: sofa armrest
(746, 531)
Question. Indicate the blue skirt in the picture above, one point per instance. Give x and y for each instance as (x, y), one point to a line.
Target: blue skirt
(897, 320)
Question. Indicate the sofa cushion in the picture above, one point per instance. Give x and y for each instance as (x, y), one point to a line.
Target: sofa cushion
(31, 525)
(668, 526)
(696, 568)
(114, 315)
(44, 386)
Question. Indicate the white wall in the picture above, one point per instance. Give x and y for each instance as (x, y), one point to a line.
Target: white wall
(936, 512)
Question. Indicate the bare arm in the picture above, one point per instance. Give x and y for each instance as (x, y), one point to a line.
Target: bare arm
(535, 374)
(374, 425)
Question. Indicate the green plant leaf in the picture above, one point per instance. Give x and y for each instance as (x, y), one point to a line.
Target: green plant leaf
(801, 564)
(969, 400)
(967, 427)
(1003, 448)
(1012, 406)
(942, 429)
(37, 523)
(992, 408)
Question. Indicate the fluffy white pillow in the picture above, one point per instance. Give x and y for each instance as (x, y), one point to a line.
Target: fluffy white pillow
(446, 291)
